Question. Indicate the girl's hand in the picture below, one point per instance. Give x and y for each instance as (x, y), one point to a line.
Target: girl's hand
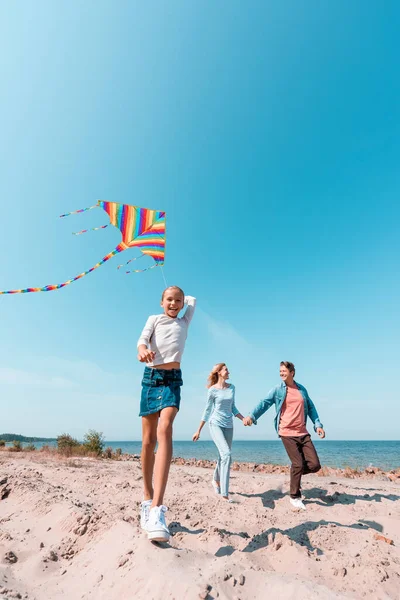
(146, 355)
(196, 436)
(321, 432)
(247, 421)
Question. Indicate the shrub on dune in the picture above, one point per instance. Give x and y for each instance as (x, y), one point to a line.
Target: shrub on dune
(93, 441)
(66, 444)
(16, 446)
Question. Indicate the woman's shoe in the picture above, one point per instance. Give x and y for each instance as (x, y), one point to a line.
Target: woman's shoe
(216, 487)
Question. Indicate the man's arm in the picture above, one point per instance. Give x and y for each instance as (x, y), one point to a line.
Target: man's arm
(313, 414)
(261, 408)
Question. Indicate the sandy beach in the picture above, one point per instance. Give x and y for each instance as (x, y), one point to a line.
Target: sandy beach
(70, 530)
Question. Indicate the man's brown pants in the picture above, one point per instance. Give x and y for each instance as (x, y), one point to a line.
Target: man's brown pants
(304, 459)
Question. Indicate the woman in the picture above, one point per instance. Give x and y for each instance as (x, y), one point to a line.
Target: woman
(219, 411)
(293, 405)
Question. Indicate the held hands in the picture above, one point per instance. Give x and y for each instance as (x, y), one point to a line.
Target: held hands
(196, 436)
(321, 432)
(247, 421)
(146, 355)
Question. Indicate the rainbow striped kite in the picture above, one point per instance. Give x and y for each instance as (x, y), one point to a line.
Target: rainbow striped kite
(141, 228)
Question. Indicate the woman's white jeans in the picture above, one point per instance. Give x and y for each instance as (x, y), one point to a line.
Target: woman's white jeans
(222, 438)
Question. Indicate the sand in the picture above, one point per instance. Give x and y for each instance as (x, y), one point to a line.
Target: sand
(69, 529)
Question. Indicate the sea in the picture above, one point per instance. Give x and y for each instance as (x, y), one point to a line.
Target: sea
(341, 454)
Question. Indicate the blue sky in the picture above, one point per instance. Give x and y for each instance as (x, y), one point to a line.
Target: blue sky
(269, 133)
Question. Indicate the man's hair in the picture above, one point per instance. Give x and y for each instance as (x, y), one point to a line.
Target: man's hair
(288, 365)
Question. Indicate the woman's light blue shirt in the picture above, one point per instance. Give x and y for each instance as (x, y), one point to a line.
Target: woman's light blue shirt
(220, 407)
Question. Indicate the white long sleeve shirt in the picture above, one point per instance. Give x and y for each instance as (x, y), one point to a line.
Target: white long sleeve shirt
(166, 336)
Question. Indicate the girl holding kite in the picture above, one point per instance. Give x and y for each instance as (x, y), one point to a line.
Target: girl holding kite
(161, 346)
(293, 405)
(219, 411)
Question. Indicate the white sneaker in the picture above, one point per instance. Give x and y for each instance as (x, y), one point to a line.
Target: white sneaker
(216, 487)
(156, 527)
(144, 513)
(297, 503)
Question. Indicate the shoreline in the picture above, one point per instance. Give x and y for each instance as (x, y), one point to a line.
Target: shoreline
(356, 455)
(270, 468)
(370, 472)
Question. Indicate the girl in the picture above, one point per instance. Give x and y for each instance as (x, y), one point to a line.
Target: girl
(161, 346)
(293, 405)
(219, 410)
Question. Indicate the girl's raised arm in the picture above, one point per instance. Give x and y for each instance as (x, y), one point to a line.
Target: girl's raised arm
(190, 303)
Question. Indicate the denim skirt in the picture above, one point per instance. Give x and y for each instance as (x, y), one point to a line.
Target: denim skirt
(160, 388)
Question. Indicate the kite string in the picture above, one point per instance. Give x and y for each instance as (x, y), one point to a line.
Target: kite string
(142, 270)
(162, 272)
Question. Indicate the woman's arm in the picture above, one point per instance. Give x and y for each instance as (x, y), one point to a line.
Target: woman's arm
(197, 434)
(235, 411)
(206, 414)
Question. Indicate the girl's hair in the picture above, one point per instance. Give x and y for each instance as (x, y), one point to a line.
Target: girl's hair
(288, 365)
(213, 376)
(172, 287)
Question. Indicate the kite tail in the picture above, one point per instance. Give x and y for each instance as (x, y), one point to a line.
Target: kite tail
(92, 229)
(142, 270)
(49, 288)
(81, 210)
(131, 260)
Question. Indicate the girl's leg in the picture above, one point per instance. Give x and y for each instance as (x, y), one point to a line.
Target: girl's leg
(164, 453)
(218, 436)
(149, 440)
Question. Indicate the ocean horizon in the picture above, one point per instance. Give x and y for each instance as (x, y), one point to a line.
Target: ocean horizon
(332, 453)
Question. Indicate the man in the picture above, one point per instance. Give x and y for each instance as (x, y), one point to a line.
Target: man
(293, 405)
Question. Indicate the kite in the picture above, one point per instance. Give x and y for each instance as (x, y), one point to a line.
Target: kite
(141, 228)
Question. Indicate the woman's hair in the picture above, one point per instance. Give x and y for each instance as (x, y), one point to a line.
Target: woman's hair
(173, 287)
(288, 365)
(213, 376)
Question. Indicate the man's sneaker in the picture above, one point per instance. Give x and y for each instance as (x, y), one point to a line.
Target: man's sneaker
(297, 503)
(144, 513)
(156, 527)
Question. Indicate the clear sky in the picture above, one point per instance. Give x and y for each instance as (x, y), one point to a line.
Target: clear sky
(269, 133)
